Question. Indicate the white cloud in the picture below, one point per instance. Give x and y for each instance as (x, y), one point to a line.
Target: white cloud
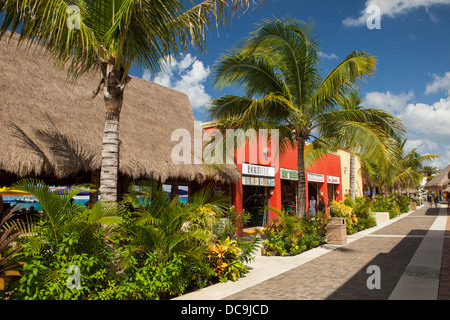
(442, 162)
(431, 121)
(421, 145)
(146, 75)
(439, 83)
(392, 9)
(388, 101)
(187, 76)
(428, 124)
(327, 56)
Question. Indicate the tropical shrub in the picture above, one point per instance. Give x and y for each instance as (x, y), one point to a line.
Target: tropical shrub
(314, 231)
(362, 208)
(147, 278)
(47, 274)
(147, 247)
(290, 235)
(8, 234)
(227, 226)
(394, 204)
(381, 203)
(224, 259)
(403, 202)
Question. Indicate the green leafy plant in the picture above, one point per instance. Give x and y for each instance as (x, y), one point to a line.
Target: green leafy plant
(224, 259)
(166, 226)
(394, 204)
(403, 202)
(291, 235)
(8, 234)
(45, 275)
(148, 278)
(362, 208)
(148, 247)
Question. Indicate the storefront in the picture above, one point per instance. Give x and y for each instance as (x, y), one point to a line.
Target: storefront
(276, 185)
(257, 186)
(315, 185)
(289, 185)
(333, 184)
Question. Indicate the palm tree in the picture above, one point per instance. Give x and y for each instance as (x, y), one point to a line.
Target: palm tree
(110, 36)
(410, 172)
(405, 173)
(277, 68)
(429, 171)
(384, 127)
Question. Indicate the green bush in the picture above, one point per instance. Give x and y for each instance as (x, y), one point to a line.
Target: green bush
(147, 278)
(46, 274)
(403, 203)
(394, 204)
(224, 259)
(362, 208)
(149, 247)
(289, 235)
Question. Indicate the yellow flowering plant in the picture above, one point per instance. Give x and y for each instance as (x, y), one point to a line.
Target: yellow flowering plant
(340, 209)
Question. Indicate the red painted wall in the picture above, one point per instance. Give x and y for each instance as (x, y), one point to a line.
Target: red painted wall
(328, 165)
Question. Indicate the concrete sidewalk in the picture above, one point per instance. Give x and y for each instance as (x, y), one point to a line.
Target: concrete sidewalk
(407, 249)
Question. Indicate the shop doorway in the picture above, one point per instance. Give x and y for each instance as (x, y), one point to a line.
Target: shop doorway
(289, 196)
(255, 204)
(314, 190)
(331, 192)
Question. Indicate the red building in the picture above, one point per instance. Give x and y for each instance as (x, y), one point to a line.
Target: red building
(276, 186)
(274, 183)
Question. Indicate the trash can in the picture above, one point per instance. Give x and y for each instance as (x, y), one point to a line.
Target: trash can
(337, 231)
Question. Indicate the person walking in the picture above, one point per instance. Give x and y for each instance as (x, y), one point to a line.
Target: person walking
(312, 207)
(430, 200)
(436, 200)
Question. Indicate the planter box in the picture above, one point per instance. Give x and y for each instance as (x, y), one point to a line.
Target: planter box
(381, 217)
(337, 231)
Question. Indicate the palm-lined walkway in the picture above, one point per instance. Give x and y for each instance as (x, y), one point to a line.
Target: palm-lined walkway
(342, 273)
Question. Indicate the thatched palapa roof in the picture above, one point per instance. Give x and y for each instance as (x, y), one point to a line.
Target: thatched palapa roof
(52, 127)
(440, 180)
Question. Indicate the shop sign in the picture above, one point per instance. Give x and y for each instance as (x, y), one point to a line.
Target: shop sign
(315, 177)
(333, 179)
(255, 170)
(288, 174)
(258, 181)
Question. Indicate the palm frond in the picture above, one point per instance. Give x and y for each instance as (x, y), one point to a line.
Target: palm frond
(342, 78)
(57, 208)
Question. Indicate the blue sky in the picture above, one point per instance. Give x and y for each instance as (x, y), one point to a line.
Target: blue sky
(412, 47)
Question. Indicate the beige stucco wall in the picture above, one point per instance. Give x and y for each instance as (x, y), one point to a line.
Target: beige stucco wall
(345, 174)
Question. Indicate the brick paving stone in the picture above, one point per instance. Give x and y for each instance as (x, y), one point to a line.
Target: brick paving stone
(414, 226)
(342, 273)
(344, 280)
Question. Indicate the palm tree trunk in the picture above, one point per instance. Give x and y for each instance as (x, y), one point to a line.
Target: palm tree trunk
(352, 175)
(110, 158)
(113, 86)
(301, 185)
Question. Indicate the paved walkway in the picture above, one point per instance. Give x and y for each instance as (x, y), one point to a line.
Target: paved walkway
(412, 253)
